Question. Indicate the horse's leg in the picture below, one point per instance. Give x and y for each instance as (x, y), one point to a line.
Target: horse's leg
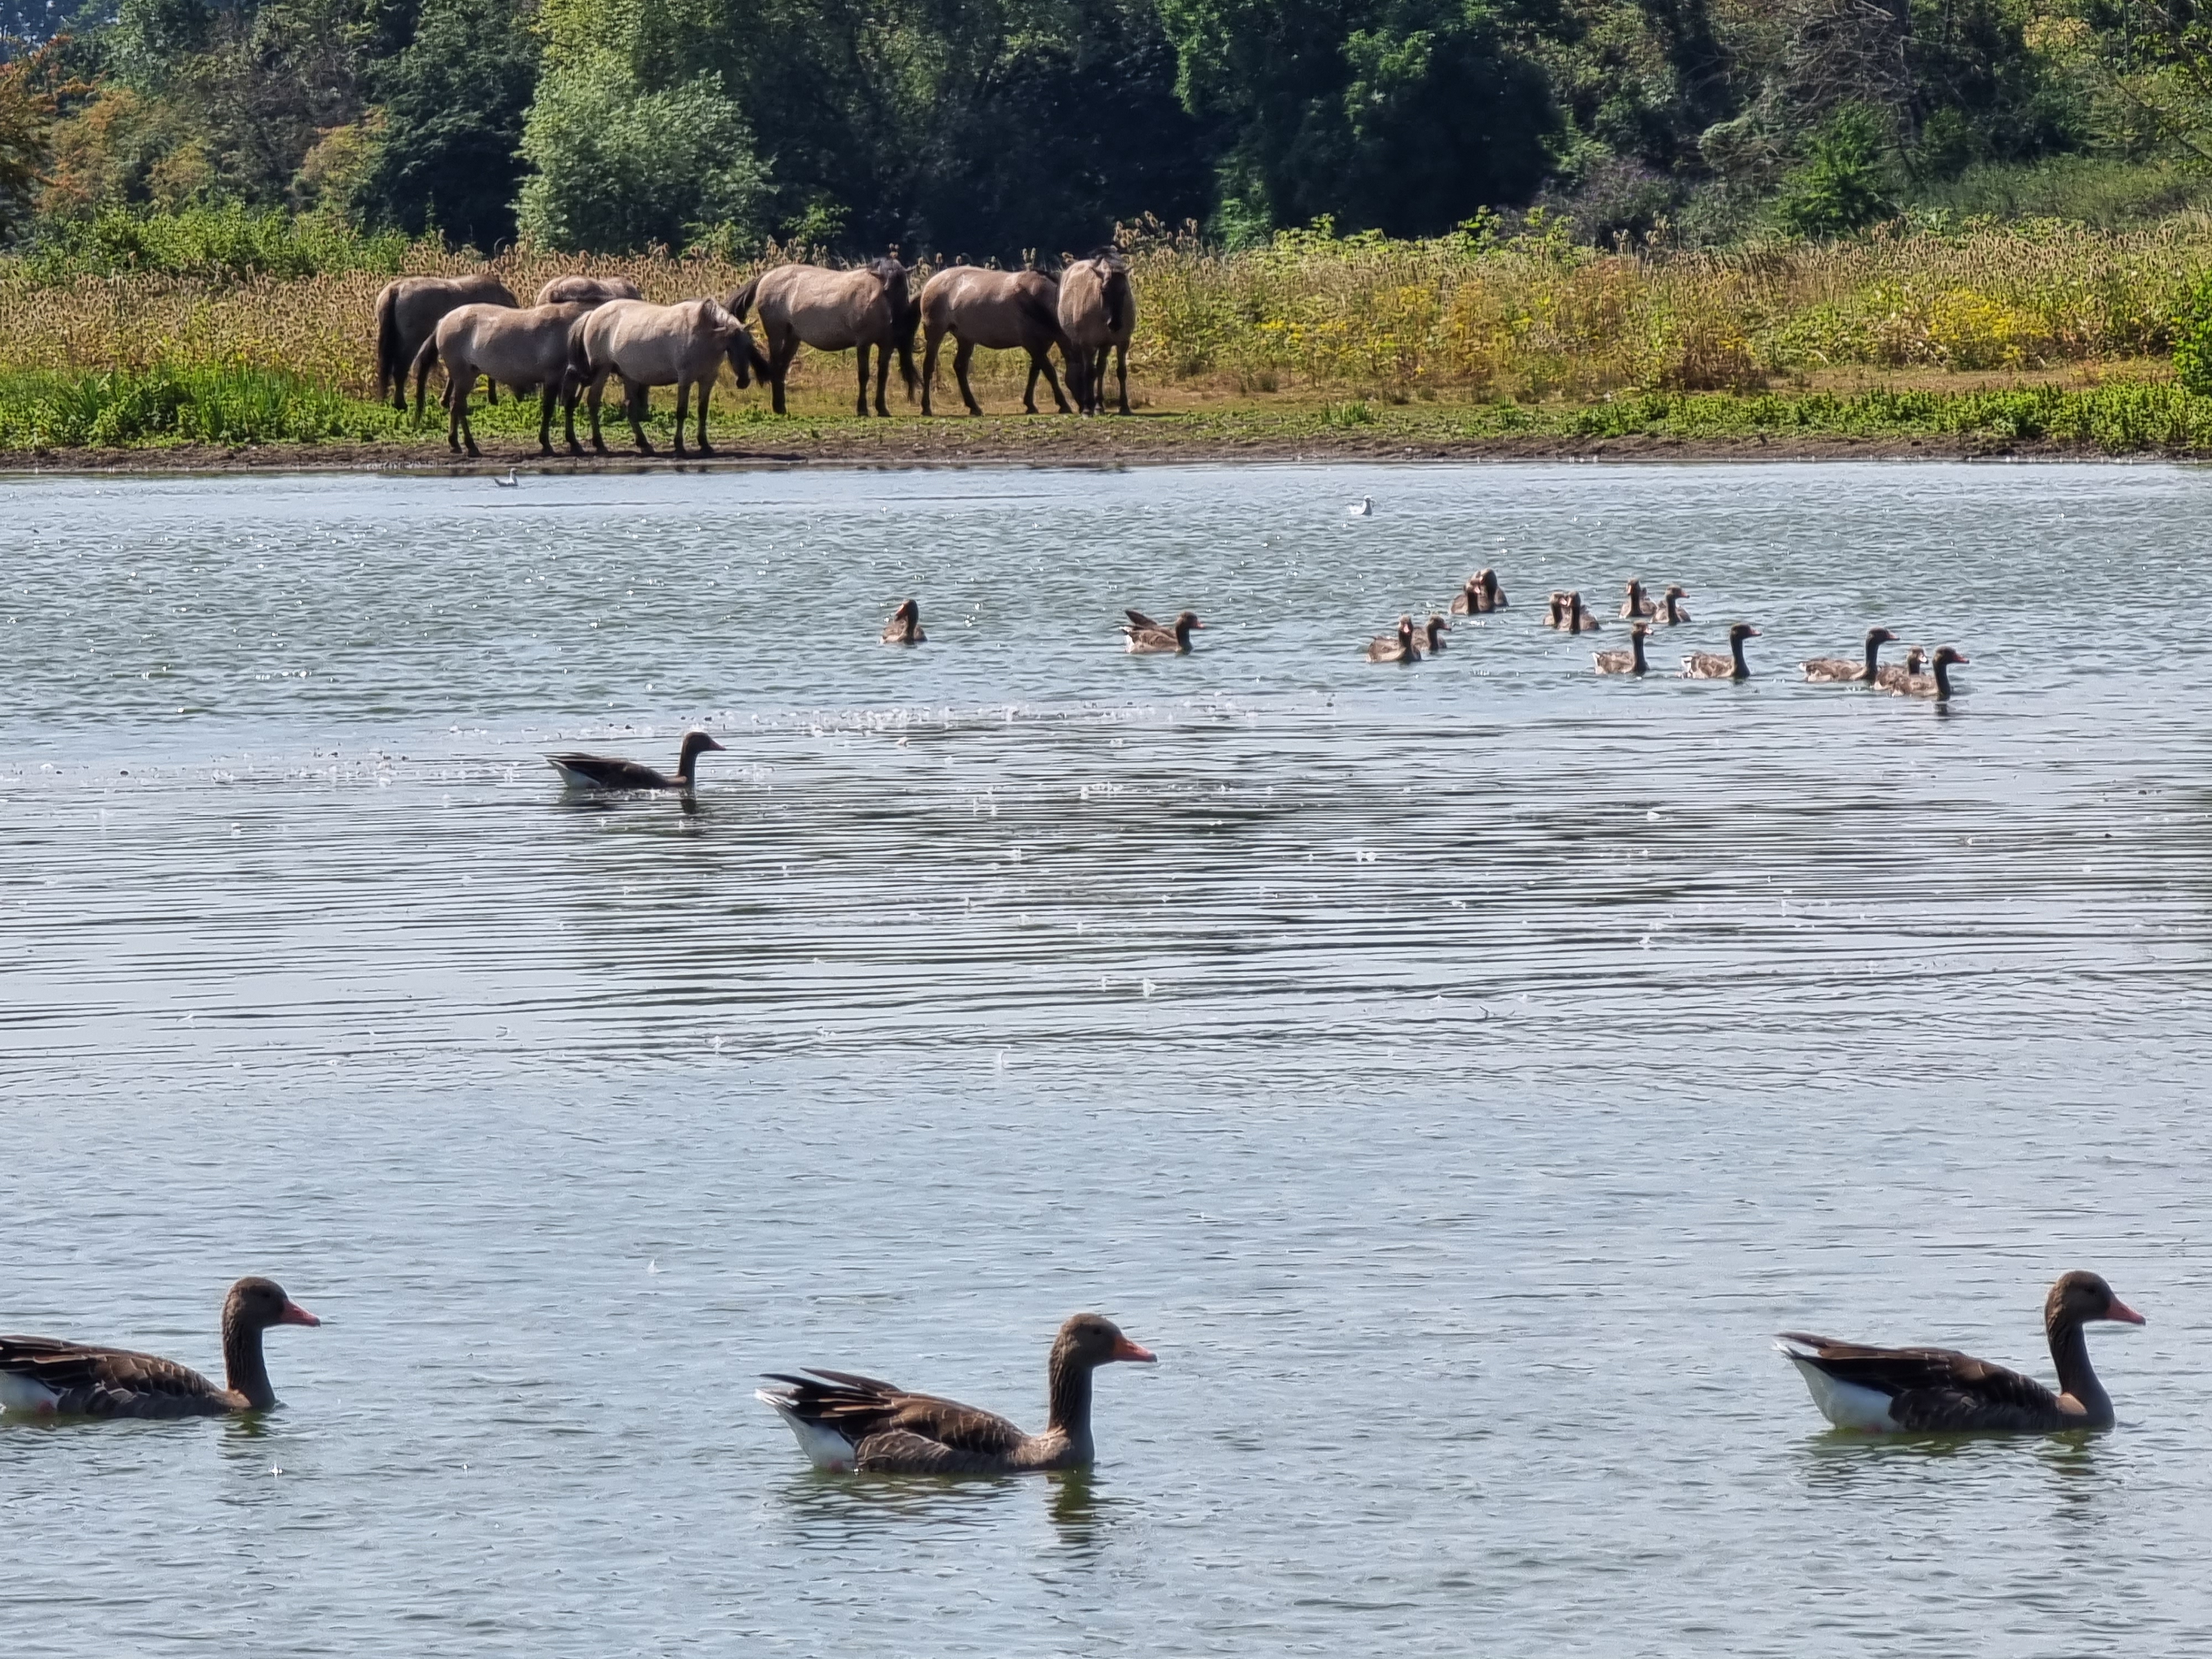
(545, 419)
(961, 359)
(929, 367)
(883, 376)
(1122, 366)
(861, 356)
(598, 387)
(705, 387)
(783, 349)
(1028, 392)
(571, 388)
(638, 400)
(683, 413)
(1043, 361)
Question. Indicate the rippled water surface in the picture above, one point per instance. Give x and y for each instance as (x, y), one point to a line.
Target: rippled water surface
(1456, 1074)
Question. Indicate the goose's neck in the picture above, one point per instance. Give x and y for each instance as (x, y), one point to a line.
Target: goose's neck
(1070, 1416)
(1874, 651)
(687, 763)
(243, 1371)
(1736, 650)
(1636, 646)
(2069, 1353)
(1943, 690)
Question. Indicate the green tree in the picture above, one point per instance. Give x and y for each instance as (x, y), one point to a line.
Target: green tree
(453, 101)
(1845, 183)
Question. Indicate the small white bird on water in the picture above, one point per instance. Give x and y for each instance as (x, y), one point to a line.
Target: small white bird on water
(1362, 508)
(510, 482)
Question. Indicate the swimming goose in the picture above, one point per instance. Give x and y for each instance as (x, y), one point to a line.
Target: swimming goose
(1481, 595)
(1630, 661)
(1402, 647)
(1849, 671)
(1433, 631)
(510, 482)
(1638, 602)
(1704, 666)
(905, 626)
(1146, 637)
(1670, 613)
(856, 1423)
(1935, 684)
(604, 772)
(52, 1378)
(1578, 618)
(1890, 677)
(1362, 508)
(1933, 1390)
(1555, 609)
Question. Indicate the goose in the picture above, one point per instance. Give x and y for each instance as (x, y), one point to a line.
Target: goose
(1433, 631)
(1481, 595)
(510, 482)
(1933, 1390)
(51, 1377)
(1362, 508)
(1704, 666)
(1850, 671)
(905, 626)
(1402, 647)
(1555, 609)
(1147, 637)
(1638, 602)
(1890, 677)
(1935, 684)
(852, 1423)
(1578, 619)
(1630, 661)
(1670, 613)
(604, 772)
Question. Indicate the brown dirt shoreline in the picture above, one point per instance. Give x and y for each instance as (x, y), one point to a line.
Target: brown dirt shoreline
(999, 442)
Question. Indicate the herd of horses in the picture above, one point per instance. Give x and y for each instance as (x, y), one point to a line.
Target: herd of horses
(580, 332)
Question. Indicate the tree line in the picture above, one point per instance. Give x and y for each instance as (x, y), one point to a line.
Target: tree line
(994, 129)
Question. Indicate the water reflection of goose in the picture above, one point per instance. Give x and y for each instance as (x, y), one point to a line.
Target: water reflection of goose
(846, 1422)
(606, 772)
(1400, 648)
(1934, 1389)
(50, 1377)
(1935, 684)
(1147, 637)
(905, 626)
(1850, 671)
(1630, 661)
(1706, 665)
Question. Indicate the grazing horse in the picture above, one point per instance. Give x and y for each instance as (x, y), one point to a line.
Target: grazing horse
(835, 311)
(522, 348)
(648, 345)
(406, 313)
(1098, 314)
(1003, 310)
(596, 289)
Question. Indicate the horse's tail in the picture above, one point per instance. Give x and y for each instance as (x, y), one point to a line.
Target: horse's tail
(906, 319)
(1117, 297)
(742, 301)
(425, 360)
(390, 371)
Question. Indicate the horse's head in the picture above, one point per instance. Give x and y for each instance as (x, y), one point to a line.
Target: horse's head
(747, 362)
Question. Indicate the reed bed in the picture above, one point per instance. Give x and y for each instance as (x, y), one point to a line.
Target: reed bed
(1531, 320)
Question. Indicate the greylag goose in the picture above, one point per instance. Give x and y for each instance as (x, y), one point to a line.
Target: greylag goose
(1929, 1389)
(605, 772)
(1705, 666)
(905, 626)
(1432, 633)
(1850, 671)
(1402, 646)
(1890, 677)
(1935, 684)
(856, 1423)
(1630, 661)
(1555, 609)
(1147, 637)
(52, 1378)
(1671, 613)
(1578, 618)
(1481, 595)
(1638, 602)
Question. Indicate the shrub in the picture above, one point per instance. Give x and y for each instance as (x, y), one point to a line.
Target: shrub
(2192, 340)
(1844, 185)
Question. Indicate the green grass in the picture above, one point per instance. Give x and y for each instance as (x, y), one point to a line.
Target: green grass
(226, 244)
(2103, 194)
(174, 403)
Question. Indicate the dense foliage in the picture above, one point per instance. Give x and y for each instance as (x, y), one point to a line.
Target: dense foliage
(1003, 128)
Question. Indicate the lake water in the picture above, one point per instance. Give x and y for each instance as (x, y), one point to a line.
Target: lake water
(1457, 1074)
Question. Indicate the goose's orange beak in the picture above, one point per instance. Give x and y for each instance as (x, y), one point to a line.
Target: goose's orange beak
(2125, 1314)
(1125, 1349)
(293, 1313)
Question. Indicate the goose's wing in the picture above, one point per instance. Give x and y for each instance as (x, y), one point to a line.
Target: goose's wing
(604, 772)
(1141, 624)
(1932, 1389)
(864, 1408)
(902, 1451)
(102, 1382)
(1833, 668)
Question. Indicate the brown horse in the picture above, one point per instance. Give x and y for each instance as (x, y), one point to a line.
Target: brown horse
(522, 348)
(406, 313)
(1099, 315)
(597, 290)
(835, 311)
(1002, 310)
(647, 345)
